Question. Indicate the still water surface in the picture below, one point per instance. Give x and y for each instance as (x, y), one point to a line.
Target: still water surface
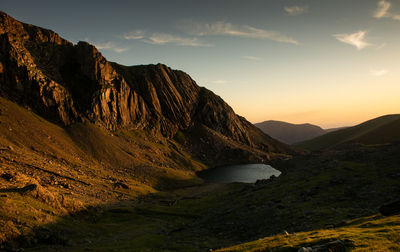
(247, 173)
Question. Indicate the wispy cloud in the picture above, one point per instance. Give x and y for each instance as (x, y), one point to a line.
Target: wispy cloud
(164, 38)
(383, 8)
(379, 72)
(228, 29)
(356, 39)
(296, 10)
(108, 46)
(138, 34)
(220, 82)
(383, 11)
(248, 57)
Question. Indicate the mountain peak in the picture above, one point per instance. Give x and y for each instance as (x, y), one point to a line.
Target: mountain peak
(68, 83)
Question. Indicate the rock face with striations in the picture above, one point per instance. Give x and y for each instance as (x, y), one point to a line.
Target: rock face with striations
(68, 83)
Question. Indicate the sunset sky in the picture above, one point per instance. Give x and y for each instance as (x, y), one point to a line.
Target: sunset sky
(331, 63)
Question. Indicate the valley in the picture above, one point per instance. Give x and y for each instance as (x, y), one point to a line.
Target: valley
(312, 201)
(97, 156)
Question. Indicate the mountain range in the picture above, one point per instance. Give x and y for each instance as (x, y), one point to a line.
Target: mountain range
(292, 133)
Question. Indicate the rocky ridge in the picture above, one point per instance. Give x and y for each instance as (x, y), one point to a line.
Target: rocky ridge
(68, 83)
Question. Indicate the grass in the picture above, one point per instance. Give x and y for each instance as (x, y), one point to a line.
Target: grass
(312, 200)
(148, 226)
(373, 233)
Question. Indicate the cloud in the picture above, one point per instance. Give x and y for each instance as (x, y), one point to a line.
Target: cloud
(356, 39)
(383, 11)
(228, 29)
(296, 10)
(108, 46)
(119, 49)
(138, 34)
(379, 73)
(220, 82)
(383, 8)
(251, 57)
(164, 38)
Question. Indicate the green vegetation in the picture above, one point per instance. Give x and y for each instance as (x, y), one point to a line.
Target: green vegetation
(373, 233)
(315, 200)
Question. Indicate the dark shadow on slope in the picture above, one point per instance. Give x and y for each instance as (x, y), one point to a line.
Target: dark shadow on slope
(22, 190)
(312, 193)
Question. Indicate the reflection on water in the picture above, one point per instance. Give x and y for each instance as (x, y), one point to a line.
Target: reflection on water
(247, 173)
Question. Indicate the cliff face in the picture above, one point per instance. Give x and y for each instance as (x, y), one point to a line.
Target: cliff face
(170, 96)
(29, 58)
(69, 83)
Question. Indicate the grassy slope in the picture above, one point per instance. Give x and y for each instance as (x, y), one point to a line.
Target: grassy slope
(335, 196)
(380, 130)
(77, 167)
(372, 233)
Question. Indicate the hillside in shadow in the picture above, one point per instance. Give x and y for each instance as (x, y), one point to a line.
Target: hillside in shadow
(323, 198)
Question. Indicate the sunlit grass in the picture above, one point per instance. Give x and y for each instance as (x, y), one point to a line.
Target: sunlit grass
(373, 233)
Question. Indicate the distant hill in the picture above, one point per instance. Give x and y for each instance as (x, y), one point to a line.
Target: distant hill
(381, 130)
(334, 129)
(290, 133)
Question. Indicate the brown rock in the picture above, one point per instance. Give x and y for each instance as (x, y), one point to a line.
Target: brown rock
(68, 83)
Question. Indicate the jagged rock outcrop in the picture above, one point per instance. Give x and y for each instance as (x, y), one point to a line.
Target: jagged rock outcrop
(171, 95)
(216, 114)
(27, 69)
(68, 83)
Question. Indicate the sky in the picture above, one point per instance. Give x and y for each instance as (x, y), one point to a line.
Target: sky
(330, 63)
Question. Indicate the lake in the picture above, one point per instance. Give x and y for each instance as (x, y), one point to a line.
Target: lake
(246, 173)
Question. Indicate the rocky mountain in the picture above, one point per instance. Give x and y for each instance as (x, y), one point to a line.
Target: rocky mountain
(377, 131)
(77, 131)
(290, 133)
(67, 83)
